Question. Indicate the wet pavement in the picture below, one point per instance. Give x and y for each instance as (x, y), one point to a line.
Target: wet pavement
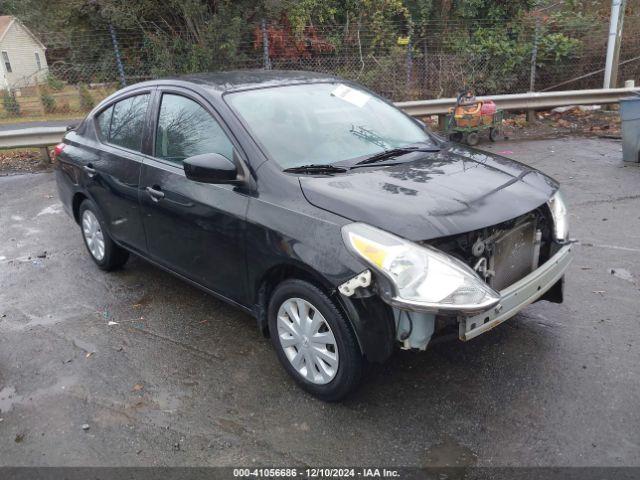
(162, 374)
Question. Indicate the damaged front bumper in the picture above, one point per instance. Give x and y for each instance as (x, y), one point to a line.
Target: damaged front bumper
(415, 329)
(517, 296)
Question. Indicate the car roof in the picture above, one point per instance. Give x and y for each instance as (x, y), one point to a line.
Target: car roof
(223, 82)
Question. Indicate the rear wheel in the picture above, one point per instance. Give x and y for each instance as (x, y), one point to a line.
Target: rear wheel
(493, 134)
(104, 252)
(314, 342)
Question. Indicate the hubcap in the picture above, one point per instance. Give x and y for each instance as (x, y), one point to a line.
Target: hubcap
(307, 341)
(93, 234)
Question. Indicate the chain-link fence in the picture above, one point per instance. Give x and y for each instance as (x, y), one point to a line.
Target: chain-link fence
(427, 61)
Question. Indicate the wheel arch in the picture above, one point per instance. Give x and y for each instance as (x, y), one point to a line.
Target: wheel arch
(370, 318)
(76, 201)
(287, 271)
(278, 274)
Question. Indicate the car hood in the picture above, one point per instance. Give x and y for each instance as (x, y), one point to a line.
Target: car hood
(433, 194)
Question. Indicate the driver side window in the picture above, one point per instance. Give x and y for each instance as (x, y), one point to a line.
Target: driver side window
(186, 129)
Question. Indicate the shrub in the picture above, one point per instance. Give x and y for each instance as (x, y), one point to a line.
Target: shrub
(54, 83)
(48, 102)
(10, 103)
(86, 100)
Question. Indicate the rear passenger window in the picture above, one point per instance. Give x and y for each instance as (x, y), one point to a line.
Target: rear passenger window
(122, 124)
(186, 129)
(127, 122)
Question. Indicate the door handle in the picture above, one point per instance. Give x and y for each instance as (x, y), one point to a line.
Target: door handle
(155, 193)
(91, 172)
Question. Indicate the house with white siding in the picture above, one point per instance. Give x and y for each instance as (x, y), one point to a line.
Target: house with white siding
(22, 55)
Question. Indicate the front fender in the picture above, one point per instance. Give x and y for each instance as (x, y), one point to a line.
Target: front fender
(282, 243)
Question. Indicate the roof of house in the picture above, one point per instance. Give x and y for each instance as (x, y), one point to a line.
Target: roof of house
(7, 20)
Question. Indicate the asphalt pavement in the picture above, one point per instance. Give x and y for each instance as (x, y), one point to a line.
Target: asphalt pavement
(138, 368)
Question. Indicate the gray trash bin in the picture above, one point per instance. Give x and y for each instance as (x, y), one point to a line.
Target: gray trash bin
(630, 117)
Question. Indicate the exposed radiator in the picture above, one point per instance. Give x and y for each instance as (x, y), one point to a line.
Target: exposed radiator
(515, 254)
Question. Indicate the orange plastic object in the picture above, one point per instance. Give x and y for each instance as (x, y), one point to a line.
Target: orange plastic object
(468, 115)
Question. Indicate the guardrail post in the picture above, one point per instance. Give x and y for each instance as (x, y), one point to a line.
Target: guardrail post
(442, 119)
(44, 156)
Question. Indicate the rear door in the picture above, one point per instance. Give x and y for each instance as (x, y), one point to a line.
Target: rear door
(193, 228)
(113, 171)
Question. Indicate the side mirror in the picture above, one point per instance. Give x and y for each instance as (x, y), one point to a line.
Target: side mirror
(210, 168)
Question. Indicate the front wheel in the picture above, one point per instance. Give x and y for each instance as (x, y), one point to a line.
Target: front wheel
(473, 139)
(314, 341)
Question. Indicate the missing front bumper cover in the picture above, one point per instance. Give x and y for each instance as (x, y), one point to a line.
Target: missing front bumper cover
(517, 296)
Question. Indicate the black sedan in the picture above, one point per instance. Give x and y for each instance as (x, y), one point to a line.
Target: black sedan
(342, 225)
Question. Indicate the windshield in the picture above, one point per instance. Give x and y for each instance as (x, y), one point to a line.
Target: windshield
(322, 123)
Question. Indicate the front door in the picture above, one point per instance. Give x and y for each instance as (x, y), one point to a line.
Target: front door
(193, 228)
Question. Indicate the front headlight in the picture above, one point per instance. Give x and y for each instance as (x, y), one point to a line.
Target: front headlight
(560, 217)
(423, 278)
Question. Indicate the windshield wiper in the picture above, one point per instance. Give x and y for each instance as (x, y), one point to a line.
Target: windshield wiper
(396, 152)
(315, 168)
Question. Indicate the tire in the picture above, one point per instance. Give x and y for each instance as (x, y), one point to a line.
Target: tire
(110, 256)
(473, 139)
(333, 374)
(456, 137)
(493, 134)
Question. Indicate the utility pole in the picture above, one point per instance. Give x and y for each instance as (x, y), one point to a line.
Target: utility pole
(616, 51)
(616, 6)
(531, 114)
(534, 56)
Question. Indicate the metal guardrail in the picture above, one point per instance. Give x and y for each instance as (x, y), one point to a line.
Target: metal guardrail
(46, 136)
(37, 137)
(525, 101)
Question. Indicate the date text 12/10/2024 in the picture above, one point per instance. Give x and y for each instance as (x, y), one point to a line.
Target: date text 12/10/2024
(315, 473)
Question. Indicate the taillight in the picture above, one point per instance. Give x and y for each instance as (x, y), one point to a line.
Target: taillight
(57, 150)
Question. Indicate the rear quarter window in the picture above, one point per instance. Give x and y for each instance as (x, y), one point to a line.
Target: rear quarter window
(103, 122)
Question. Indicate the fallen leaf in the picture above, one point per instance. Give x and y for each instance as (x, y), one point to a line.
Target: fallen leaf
(137, 387)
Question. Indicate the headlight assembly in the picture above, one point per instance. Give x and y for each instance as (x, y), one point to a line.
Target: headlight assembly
(560, 217)
(422, 278)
